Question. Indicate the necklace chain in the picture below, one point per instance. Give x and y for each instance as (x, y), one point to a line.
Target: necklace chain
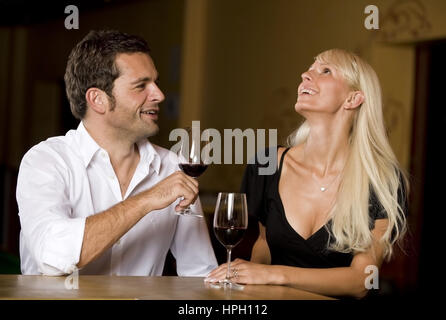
(322, 188)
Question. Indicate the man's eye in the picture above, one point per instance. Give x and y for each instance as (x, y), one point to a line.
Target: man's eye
(141, 86)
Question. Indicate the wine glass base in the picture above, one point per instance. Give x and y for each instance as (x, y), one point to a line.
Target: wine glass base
(189, 213)
(227, 285)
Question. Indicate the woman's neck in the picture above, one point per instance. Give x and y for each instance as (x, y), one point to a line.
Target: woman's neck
(326, 148)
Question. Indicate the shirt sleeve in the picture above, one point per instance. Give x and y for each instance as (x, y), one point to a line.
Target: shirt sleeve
(191, 246)
(52, 237)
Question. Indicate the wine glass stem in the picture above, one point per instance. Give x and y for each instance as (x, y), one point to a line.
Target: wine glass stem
(229, 264)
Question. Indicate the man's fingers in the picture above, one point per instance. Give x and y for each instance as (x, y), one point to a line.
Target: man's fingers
(188, 189)
(179, 176)
(192, 182)
(192, 185)
(187, 192)
(177, 185)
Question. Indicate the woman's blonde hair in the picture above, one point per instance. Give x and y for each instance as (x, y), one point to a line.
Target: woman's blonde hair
(371, 165)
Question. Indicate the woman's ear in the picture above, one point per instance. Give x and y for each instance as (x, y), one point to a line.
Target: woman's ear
(96, 100)
(354, 100)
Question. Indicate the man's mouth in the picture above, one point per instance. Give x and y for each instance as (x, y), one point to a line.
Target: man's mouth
(151, 113)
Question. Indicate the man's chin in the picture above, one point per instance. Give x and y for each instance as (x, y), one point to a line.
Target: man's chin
(152, 132)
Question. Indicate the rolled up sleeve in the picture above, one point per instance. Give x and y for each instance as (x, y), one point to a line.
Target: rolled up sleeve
(52, 238)
(192, 246)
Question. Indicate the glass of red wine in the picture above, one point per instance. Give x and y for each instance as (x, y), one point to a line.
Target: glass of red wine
(230, 224)
(191, 162)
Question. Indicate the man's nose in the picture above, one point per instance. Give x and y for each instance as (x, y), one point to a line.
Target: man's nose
(157, 94)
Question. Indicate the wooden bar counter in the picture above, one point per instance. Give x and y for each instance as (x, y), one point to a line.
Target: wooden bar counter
(20, 287)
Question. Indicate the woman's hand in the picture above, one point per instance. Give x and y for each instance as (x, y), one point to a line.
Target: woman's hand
(243, 271)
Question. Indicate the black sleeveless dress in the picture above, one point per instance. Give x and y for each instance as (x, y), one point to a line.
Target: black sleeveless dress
(287, 247)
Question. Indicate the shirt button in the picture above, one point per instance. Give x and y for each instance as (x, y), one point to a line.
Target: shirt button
(118, 242)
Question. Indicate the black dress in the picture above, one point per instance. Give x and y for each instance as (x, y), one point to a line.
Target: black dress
(287, 247)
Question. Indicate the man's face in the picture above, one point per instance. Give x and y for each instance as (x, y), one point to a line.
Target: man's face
(135, 110)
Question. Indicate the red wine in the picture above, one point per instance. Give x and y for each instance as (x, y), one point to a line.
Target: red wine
(193, 169)
(229, 237)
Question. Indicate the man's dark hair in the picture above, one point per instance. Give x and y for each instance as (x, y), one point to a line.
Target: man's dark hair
(91, 63)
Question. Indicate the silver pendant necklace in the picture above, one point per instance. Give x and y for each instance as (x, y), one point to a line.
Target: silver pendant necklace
(322, 188)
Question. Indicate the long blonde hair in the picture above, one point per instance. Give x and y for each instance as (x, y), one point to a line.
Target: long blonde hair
(371, 164)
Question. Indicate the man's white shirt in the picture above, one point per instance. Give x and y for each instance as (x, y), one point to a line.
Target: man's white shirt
(65, 179)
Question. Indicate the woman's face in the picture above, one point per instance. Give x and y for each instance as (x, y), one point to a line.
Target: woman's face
(323, 89)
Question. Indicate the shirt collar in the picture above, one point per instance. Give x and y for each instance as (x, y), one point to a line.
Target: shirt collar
(88, 148)
(149, 155)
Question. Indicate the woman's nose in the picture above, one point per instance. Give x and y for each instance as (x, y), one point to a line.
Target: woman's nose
(306, 76)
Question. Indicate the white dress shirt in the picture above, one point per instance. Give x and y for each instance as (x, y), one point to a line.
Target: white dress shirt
(65, 179)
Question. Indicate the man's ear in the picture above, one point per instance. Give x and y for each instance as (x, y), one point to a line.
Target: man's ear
(97, 100)
(354, 100)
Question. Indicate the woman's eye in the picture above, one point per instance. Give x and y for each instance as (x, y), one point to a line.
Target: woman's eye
(326, 70)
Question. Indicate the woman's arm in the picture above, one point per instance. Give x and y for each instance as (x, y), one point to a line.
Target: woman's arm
(343, 281)
(260, 251)
(338, 281)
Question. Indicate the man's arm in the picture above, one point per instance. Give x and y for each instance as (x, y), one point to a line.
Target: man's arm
(102, 230)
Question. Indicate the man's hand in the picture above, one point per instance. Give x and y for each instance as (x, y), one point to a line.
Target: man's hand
(175, 186)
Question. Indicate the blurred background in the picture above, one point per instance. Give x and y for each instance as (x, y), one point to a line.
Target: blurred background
(236, 64)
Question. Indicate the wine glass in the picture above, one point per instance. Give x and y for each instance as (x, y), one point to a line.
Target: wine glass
(190, 160)
(230, 224)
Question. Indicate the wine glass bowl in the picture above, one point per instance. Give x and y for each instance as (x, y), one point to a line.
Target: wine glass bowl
(230, 224)
(193, 169)
(190, 160)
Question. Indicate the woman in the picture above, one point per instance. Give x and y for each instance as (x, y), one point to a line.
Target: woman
(337, 202)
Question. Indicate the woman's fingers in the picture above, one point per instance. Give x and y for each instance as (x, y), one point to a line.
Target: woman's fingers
(220, 272)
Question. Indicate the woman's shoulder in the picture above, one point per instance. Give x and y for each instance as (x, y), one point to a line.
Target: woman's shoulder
(263, 163)
(282, 150)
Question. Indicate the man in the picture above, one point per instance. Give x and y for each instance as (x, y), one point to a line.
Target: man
(102, 198)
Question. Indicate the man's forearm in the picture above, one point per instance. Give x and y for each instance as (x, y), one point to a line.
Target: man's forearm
(102, 230)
